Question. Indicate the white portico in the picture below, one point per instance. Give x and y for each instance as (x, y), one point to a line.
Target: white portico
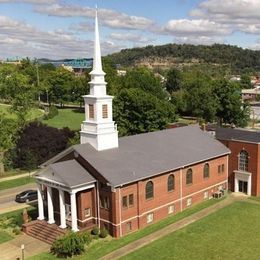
(243, 182)
(98, 128)
(66, 177)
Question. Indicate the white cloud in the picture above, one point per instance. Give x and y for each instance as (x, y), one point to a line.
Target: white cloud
(30, 1)
(130, 37)
(107, 17)
(21, 39)
(200, 27)
(201, 40)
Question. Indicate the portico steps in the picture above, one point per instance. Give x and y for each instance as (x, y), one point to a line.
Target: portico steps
(43, 231)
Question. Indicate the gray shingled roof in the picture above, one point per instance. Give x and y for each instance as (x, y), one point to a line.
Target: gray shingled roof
(238, 134)
(145, 155)
(69, 173)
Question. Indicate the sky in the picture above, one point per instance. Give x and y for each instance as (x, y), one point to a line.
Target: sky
(64, 28)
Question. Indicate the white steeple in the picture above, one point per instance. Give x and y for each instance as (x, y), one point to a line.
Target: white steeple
(98, 129)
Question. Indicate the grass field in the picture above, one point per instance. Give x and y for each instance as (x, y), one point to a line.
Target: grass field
(16, 182)
(33, 114)
(71, 118)
(231, 233)
(101, 248)
(4, 237)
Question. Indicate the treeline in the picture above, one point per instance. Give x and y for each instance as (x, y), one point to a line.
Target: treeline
(236, 58)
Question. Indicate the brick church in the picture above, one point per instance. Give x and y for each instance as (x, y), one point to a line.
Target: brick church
(125, 184)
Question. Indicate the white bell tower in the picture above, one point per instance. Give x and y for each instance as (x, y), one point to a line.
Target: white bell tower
(98, 129)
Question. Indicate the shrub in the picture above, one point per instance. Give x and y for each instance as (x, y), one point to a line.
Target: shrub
(17, 231)
(7, 222)
(103, 233)
(53, 111)
(86, 237)
(69, 245)
(95, 231)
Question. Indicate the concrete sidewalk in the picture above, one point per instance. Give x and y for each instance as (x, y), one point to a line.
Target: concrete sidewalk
(17, 176)
(12, 249)
(173, 227)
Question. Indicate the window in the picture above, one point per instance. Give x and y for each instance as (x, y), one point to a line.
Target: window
(223, 167)
(91, 111)
(189, 176)
(171, 183)
(206, 171)
(87, 212)
(104, 202)
(219, 169)
(206, 194)
(124, 202)
(243, 161)
(128, 226)
(170, 209)
(104, 111)
(131, 200)
(149, 190)
(189, 202)
(149, 218)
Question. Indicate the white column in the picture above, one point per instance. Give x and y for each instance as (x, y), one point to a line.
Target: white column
(50, 206)
(40, 202)
(236, 184)
(249, 185)
(62, 210)
(73, 205)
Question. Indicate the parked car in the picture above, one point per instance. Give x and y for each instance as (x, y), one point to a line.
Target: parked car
(26, 196)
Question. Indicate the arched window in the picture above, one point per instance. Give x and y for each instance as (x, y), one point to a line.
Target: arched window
(243, 161)
(206, 171)
(149, 190)
(189, 176)
(171, 183)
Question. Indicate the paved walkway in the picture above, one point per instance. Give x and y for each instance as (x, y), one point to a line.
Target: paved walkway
(11, 250)
(17, 176)
(173, 227)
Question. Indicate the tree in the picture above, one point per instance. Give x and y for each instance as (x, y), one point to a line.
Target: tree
(144, 79)
(37, 143)
(231, 109)
(137, 111)
(245, 81)
(174, 80)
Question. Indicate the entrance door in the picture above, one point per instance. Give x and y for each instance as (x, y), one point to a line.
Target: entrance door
(242, 186)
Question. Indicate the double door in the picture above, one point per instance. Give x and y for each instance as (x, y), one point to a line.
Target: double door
(242, 186)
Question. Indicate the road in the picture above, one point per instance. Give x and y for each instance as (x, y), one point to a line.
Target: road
(7, 197)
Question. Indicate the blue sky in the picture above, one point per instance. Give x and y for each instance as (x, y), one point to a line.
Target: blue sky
(64, 28)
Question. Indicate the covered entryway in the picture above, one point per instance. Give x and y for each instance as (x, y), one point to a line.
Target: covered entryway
(243, 182)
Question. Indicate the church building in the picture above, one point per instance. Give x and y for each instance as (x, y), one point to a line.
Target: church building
(124, 184)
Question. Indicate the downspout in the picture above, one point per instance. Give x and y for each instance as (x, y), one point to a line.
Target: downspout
(98, 205)
(181, 187)
(120, 213)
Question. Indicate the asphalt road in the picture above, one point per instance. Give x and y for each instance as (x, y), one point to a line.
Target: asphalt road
(7, 197)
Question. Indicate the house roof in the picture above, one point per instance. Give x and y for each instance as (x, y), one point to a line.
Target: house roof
(68, 173)
(238, 134)
(146, 155)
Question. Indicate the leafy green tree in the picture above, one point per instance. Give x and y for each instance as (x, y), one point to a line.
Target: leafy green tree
(231, 109)
(137, 111)
(144, 79)
(174, 80)
(245, 81)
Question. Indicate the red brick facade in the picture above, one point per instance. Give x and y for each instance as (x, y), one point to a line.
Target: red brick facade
(253, 150)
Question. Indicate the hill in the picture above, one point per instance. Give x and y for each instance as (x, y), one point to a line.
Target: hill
(169, 55)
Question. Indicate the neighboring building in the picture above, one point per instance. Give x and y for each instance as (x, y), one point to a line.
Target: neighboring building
(251, 94)
(125, 184)
(244, 161)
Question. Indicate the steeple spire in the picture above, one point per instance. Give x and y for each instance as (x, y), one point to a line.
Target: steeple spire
(98, 129)
(97, 64)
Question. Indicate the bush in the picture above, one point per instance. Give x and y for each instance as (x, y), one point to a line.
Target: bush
(103, 233)
(69, 245)
(7, 222)
(17, 230)
(95, 231)
(86, 237)
(53, 111)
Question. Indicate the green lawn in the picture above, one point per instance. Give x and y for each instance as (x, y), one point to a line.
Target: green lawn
(33, 114)
(231, 233)
(4, 237)
(16, 182)
(71, 118)
(101, 248)
(255, 198)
